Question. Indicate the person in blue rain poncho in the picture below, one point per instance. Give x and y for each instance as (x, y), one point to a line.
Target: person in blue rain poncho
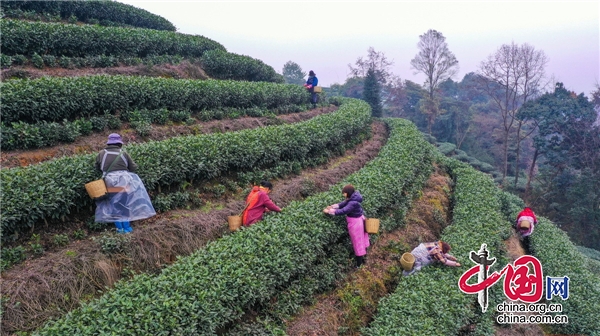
(127, 198)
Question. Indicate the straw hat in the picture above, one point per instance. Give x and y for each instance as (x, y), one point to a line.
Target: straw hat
(407, 261)
(524, 224)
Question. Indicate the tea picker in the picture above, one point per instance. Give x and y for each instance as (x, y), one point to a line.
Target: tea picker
(355, 218)
(120, 194)
(524, 225)
(425, 254)
(257, 203)
(311, 86)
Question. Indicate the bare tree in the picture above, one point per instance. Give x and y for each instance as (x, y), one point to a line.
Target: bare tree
(376, 61)
(511, 76)
(437, 63)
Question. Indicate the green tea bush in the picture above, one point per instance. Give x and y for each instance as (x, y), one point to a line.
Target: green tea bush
(72, 19)
(179, 115)
(65, 62)
(49, 60)
(110, 11)
(51, 189)
(11, 255)
(37, 60)
(213, 287)
(58, 98)
(141, 126)
(79, 234)
(5, 60)
(19, 59)
(589, 252)
(20, 135)
(112, 121)
(430, 302)
(112, 243)
(60, 240)
(560, 257)
(99, 124)
(446, 147)
(220, 64)
(57, 39)
(96, 226)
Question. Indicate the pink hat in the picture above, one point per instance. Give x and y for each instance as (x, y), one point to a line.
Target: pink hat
(114, 139)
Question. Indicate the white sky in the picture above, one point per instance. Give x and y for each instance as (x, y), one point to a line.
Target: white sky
(327, 36)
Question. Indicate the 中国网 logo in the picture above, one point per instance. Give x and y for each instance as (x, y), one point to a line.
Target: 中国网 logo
(523, 281)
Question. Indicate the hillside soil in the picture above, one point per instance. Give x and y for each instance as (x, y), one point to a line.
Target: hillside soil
(47, 287)
(96, 141)
(353, 303)
(183, 70)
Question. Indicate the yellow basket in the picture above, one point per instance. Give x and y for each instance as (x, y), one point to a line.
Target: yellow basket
(234, 222)
(407, 261)
(372, 225)
(96, 189)
(318, 89)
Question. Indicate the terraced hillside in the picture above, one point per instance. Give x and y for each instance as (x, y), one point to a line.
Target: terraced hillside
(200, 144)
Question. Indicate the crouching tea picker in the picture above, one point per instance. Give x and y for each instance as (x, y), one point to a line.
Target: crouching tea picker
(127, 199)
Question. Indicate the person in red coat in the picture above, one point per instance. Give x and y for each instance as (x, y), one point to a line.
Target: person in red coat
(525, 222)
(257, 203)
(524, 225)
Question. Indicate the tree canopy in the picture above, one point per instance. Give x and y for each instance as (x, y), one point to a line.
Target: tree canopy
(293, 74)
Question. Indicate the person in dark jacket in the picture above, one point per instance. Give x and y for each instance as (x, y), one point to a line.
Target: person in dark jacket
(127, 198)
(257, 203)
(311, 82)
(355, 218)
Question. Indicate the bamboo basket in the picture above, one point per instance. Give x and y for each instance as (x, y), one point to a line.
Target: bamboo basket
(372, 225)
(317, 89)
(234, 222)
(407, 261)
(96, 189)
(524, 224)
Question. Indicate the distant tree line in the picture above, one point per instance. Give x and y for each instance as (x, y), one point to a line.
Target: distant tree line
(543, 139)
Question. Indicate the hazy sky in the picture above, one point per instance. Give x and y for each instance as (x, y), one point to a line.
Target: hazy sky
(327, 36)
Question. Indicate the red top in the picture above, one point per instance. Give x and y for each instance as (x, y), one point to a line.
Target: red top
(258, 201)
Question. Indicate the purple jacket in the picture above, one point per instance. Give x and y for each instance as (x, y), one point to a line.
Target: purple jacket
(351, 207)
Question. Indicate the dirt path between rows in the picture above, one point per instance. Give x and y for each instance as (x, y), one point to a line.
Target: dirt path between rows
(184, 70)
(44, 288)
(514, 250)
(338, 311)
(96, 142)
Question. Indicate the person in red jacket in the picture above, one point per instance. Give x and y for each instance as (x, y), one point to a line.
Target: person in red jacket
(257, 203)
(525, 222)
(524, 225)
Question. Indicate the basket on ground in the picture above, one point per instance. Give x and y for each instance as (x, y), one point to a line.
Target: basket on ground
(407, 261)
(372, 225)
(234, 222)
(96, 189)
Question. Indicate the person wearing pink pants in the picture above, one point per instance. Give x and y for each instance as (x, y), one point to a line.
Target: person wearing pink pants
(356, 221)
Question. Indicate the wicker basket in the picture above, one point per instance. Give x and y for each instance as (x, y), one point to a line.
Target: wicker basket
(524, 224)
(407, 261)
(96, 189)
(372, 225)
(317, 89)
(234, 222)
